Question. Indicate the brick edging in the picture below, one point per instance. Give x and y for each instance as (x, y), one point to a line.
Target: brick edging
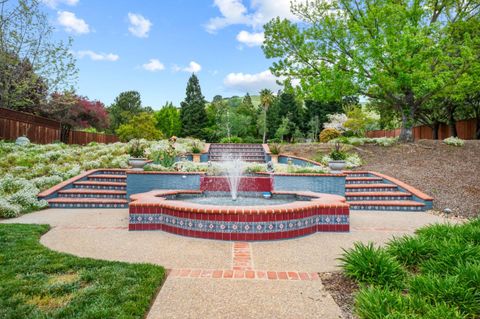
(58, 187)
(405, 186)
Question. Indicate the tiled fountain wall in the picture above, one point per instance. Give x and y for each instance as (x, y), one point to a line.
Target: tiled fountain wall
(141, 182)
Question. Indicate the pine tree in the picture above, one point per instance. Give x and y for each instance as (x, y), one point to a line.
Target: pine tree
(192, 112)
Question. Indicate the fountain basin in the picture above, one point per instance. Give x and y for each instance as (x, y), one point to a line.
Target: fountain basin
(305, 213)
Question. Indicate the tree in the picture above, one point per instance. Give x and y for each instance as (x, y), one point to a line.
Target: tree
(402, 53)
(266, 100)
(140, 126)
(74, 111)
(126, 105)
(20, 88)
(192, 113)
(31, 62)
(168, 120)
(247, 109)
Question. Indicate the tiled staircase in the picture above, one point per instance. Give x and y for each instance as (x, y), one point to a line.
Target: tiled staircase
(245, 152)
(368, 191)
(94, 189)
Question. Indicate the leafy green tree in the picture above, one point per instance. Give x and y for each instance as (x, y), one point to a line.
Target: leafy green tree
(247, 109)
(402, 53)
(168, 120)
(142, 125)
(283, 129)
(192, 113)
(126, 105)
(32, 64)
(266, 100)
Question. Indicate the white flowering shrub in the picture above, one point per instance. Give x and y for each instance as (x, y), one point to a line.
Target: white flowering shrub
(18, 196)
(454, 141)
(358, 141)
(353, 160)
(336, 121)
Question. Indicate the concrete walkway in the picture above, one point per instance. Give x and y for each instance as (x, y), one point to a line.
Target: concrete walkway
(214, 279)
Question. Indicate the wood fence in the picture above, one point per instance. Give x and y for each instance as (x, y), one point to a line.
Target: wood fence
(41, 130)
(465, 130)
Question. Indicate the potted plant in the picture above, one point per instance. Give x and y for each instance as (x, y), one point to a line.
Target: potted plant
(338, 157)
(275, 150)
(137, 155)
(196, 152)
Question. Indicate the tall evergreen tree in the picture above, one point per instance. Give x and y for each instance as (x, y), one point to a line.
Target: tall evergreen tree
(126, 105)
(192, 113)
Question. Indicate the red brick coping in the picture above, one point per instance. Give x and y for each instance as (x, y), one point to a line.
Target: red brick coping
(324, 212)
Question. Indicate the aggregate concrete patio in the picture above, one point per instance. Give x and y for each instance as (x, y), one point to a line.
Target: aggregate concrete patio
(224, 279)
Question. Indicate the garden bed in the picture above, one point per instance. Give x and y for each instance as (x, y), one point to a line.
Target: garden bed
(449, 174)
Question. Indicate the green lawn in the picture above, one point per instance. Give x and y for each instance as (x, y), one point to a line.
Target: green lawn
(434, 274)
(36, 282)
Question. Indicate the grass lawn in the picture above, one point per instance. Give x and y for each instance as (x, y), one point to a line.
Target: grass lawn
(434, 274)
(36, 282)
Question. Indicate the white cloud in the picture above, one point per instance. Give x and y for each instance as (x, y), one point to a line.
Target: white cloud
(71, 23)
(98, 56)
(153, 65)
(139, 26)
(250, 39)
(193, 67)
(54, 3)
(260, 12)
(251, 83)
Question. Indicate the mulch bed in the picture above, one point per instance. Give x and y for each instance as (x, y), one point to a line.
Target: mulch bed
(451, 175)
(342, 289)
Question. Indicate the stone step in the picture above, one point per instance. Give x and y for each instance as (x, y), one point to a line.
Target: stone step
(64, 202)
(363, 180)
(376, 196)
(92, 193)
(371, 187)
(100, 185)
(122, 172)
(390, 205)
(357, 173)
(107, 177)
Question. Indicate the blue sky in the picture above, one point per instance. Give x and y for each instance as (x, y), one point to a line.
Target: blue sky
(153, 46)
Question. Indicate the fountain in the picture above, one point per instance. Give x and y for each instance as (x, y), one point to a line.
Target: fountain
(233, 168)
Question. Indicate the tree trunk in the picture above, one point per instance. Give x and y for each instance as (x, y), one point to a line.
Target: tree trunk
(65, 133)
(406, 133)
(265, 127)
(435, 128)
(452, 124)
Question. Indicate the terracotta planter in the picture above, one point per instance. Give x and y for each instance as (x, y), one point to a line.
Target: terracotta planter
(137, 163)
(274, 158)
(336, 167)
(196, 158)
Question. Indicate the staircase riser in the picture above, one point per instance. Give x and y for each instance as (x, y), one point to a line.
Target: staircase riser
(384, 189)
(359, 175)
(364, 182)
(355, 198)
(100, 179)
(120, 188)
(93, 196)
(122, 173)
(389, 208)
(86, 205)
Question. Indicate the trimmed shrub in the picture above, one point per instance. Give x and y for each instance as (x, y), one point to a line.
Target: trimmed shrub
(454, 141)
(372, 265)
(329, 134)
(233, 139)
